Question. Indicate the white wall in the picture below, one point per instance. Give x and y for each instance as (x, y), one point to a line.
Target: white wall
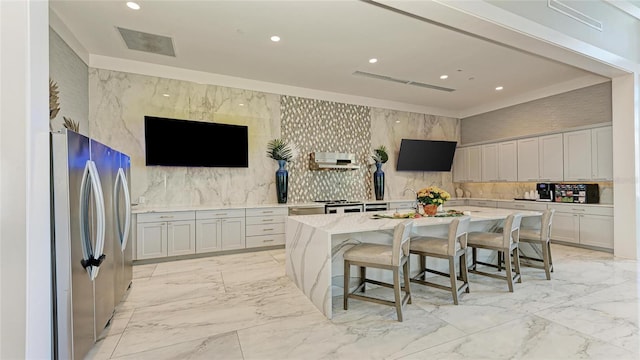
(25, 270)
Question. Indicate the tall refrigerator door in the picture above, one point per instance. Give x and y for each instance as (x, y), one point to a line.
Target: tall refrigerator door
(122, 254)
(73, 291)
(107, 164)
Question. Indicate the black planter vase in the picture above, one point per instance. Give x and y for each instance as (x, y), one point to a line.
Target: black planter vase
(378, 181)
(282, 182)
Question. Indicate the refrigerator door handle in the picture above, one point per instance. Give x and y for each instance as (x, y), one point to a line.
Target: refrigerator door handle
(98, 256)
(87, 251)
(121, 180)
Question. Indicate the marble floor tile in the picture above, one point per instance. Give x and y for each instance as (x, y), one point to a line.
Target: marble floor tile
(242, 306)
(224, 346)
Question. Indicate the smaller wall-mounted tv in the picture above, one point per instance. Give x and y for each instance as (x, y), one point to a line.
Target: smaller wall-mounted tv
(175, 142)
(425, 155)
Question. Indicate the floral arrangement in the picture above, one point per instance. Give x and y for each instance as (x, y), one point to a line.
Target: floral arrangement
(380, 154)
(432, 195)
(279, 149)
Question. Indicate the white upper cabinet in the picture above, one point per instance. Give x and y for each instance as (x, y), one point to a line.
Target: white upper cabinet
(467, 164)
(528, 159)
(508, 161)
(602, 153)
(550, 158)
(490, 162)
(474, 163)
(460, 168)
(577, 155)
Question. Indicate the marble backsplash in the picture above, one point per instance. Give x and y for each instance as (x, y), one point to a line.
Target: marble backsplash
(119, 101)
(509, 191)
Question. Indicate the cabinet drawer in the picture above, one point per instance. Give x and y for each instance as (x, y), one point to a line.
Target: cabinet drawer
(165, 216)
(483, 203)
(457, 202)
(583, 209)
(265, 229)
(257, 220)
(264, 240)
(523, 206)
(219, 214)
(402, 205)
(271, 211)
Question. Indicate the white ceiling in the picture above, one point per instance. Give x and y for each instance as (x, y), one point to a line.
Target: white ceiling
(323, 44)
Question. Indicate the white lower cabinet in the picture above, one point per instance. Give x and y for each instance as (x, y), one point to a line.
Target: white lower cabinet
(165, 234)
(218, 230)
(584, 225)
(265, 226)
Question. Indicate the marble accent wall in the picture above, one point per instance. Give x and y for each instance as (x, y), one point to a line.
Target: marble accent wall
(324, 126)
(118, 103)
(71, 75)
(586, 106)
(389, 127)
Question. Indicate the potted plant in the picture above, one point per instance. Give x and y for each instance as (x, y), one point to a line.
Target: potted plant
(283, 152)
(431, 198)
(380, 157)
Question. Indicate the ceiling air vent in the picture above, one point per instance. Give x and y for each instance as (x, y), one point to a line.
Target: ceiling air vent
(141, 41)
(401, 81)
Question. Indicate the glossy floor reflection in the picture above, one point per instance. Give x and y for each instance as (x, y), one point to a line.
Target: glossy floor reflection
(242, 306)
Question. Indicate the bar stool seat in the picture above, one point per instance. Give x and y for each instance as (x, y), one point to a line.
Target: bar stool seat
(542, 237)
(393, 257)
(452, 248)
(505, 243)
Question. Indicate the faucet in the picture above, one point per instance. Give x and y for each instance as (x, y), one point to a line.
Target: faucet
(415, 194)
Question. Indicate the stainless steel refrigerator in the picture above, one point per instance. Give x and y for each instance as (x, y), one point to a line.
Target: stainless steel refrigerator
(86, 236)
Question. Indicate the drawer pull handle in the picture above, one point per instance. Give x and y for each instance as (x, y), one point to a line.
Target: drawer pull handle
(269, 240)
(267, 229)
(519, 206)
(267, 212)
(221, 214)
(166, 217)
(267, 220)
(577, 209)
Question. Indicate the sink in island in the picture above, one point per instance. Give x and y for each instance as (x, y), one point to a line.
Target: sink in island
(315, 244)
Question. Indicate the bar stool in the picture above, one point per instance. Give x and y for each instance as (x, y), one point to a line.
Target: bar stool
(390, 257)
(453, 247)
(505, 243)
(542, 237)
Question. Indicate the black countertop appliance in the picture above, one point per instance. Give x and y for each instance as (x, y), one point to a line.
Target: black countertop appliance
(577, 193)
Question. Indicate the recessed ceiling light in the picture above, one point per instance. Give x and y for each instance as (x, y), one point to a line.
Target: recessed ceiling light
(444, 77)
(241, 104)
(397, 121)
(373, 61)
(275, 38)
(133, 5)
(499, 88)
(166, 95)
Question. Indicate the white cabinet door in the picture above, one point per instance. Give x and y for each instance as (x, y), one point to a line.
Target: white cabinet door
(490, 162)
(208, 235)
(233, 236)
(528, 159)
(566, 227)
(602, 153)
(577, 155)
(596, 230)
(508, 161)
(550, 158)
(181, 237)
(460, 168)
(474, 163)
(151, 240)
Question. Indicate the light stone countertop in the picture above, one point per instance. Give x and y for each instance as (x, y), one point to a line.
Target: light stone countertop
(364, 221)
(140, 209)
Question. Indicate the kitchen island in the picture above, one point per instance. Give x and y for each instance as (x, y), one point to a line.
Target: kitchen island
(314, 244)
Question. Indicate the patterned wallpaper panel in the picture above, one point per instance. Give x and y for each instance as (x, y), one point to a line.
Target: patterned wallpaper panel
(316, 125)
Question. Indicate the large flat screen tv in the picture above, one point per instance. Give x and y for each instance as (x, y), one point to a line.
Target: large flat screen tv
(425, 155)
(175, 142)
